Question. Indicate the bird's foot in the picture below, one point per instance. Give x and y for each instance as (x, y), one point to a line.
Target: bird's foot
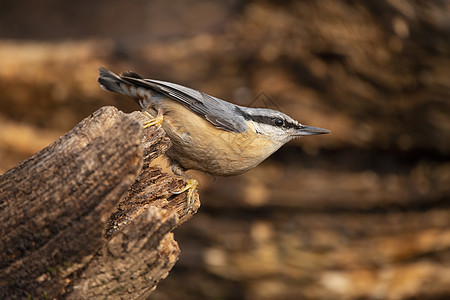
(154, 121)
(191, 185)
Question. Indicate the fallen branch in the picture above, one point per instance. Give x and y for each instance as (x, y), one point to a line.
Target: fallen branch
(64, 232)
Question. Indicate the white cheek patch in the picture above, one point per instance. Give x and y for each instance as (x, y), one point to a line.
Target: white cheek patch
(257, 127)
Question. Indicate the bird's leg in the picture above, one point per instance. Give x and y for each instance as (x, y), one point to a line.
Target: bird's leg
(190, 186)
(154, 121)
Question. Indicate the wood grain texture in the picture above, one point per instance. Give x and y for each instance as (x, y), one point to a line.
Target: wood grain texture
(54, 208)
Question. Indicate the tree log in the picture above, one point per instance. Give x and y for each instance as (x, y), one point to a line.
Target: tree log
(65, 231)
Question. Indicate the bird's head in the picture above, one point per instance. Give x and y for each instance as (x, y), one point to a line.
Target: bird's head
(279, 126)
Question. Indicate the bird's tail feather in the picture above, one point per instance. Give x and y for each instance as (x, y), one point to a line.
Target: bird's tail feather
(124, 84)
(110, 81)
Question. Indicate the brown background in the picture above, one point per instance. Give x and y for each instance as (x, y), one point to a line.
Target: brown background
(362, 213)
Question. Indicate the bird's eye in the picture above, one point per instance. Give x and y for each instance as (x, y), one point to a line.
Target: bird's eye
(278, 122)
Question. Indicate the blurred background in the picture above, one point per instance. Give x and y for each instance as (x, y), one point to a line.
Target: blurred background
(362, 213)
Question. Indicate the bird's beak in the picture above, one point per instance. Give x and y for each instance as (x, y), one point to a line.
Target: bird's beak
(309, 130)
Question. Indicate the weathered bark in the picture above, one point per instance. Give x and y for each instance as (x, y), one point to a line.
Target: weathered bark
(54, 208)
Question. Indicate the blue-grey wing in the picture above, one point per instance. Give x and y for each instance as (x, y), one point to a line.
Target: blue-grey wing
(222, 114)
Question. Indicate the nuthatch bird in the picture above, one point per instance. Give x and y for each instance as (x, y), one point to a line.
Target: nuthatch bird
(207, 133)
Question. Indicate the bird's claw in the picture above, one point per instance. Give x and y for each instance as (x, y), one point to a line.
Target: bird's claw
(154, 121)
(191, 185)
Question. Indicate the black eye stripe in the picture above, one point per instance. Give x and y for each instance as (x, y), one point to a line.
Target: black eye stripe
(268, 120)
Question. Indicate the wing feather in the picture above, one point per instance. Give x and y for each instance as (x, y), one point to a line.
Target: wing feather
(218, 112)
